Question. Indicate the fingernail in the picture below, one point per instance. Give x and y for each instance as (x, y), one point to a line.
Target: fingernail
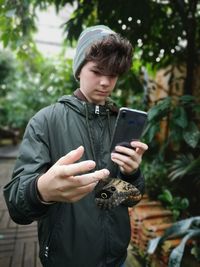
(91, 165)
(106, 172)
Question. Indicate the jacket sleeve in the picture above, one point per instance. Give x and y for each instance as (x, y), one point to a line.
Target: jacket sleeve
(21, 193)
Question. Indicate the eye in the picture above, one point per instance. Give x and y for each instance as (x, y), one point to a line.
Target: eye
(96, 72)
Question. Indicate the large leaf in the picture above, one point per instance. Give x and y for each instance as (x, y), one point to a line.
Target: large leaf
(177, 253)
(191, 135)
(185, 164)
(179, 117)
(179, 166)
(153, 244)
(150, 131)
(178, 229)
(160, 109)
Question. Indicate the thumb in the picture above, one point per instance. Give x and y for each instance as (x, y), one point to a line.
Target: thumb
(71, 157)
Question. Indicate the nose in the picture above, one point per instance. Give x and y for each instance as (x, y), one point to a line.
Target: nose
(105, 80)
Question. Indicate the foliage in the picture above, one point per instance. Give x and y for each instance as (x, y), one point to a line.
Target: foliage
(172, 37)
(185, 165)
(183, 132)
(33, 86)
(173, 162)
(29, 86)
(155, 173)
(135, 20)
(7, 66)
(184, 172)
(174, 203)
(186, 229)
(196, 251)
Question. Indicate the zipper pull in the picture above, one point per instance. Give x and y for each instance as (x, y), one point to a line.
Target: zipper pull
(96, 110)
(46, 252)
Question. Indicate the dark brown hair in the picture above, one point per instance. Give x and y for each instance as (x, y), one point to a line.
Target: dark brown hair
(112, 54)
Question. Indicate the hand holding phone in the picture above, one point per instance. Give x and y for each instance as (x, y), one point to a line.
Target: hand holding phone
(129, 126)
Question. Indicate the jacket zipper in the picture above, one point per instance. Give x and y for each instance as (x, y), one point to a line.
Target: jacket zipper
(96, 109)
(48, 240)
(46, 252)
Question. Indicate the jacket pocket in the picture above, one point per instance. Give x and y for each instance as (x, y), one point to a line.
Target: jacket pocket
(47, 228)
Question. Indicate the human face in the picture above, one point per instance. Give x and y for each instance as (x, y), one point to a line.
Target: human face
(96, 86)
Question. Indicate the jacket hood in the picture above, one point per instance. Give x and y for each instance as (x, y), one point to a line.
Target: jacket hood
(73, 103)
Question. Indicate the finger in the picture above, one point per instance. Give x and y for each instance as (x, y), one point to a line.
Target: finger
(71, 157)
(139, 147)
(90, 178)
(131, 161)
(124, 150)
(76, 168)
(132, 165)
(81, 184)
(126, 158)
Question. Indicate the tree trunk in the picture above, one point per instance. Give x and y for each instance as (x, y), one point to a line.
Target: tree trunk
(191, 48)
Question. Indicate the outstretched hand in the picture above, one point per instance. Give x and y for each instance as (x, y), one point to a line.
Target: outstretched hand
(129, 159)
(68, 181)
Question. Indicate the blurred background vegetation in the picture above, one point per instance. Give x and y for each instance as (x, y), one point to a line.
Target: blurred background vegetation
(164, 80)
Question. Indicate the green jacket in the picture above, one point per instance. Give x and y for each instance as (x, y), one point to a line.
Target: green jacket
(70, 234)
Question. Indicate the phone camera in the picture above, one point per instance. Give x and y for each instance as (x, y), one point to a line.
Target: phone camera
(123, 113)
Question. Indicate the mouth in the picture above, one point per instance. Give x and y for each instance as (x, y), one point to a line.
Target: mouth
(102, 93)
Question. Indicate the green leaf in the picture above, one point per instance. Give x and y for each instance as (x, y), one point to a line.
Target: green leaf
(166, 196)
(179, 117)
(192, 135)
(159, 110)
(184, 203)
(151, 130)
(187, 99)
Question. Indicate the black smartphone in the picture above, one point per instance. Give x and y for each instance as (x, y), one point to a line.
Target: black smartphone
(129, 126)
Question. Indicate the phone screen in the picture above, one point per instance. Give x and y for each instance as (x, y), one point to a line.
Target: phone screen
(129, 126)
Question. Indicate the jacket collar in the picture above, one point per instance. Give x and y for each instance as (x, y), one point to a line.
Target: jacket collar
(78, 93)
(109, 103)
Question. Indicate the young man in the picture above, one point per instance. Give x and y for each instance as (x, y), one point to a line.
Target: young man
(63, 155)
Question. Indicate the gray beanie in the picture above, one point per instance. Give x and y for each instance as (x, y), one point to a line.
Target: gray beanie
(86, 39)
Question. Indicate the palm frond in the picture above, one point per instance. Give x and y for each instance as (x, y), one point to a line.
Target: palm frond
(184, 165)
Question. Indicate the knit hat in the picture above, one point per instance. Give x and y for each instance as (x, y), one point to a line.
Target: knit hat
(86, 39)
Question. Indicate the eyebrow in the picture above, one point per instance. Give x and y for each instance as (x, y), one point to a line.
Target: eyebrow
(95, 66)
